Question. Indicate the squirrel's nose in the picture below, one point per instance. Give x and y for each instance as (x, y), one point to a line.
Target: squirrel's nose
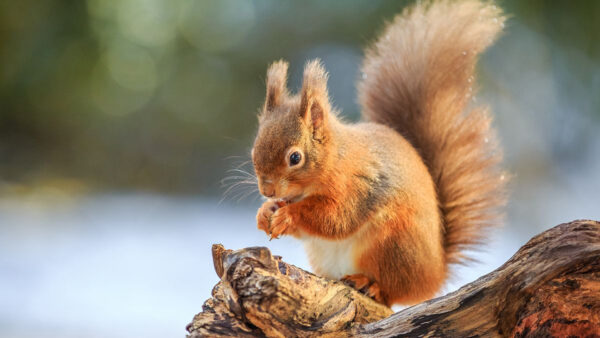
(268, 193)
(267, 190)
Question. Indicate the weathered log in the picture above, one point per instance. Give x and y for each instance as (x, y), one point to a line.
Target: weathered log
(261, 295)
(550, 287)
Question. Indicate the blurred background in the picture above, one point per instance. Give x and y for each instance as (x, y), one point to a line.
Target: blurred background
(119, 121)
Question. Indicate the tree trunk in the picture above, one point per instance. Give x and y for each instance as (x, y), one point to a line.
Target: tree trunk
(550, 287)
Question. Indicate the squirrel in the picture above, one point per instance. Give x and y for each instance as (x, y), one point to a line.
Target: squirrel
(387, 204)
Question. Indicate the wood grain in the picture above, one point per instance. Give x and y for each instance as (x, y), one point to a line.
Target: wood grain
(550, 287)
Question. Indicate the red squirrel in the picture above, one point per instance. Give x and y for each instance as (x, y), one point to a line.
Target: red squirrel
(387, 204)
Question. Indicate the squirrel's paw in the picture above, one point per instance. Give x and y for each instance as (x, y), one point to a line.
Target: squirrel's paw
(263, 216)
(281, 223)
(364, 285)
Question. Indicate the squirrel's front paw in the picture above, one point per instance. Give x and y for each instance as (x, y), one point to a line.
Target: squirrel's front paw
(281, 224)
(263, 217)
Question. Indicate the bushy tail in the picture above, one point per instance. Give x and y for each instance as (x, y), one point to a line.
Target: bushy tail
(418, 79)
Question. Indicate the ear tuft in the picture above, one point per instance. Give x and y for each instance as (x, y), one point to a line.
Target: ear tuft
(276, 84)
(315, 79)
(314, 101)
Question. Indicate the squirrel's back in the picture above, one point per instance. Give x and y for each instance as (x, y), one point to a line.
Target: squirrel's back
(418, 78)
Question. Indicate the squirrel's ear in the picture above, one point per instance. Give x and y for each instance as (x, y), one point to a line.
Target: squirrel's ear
(276, 84)
(314, 101)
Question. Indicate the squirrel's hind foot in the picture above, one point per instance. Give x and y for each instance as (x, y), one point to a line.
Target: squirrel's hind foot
(365, 286)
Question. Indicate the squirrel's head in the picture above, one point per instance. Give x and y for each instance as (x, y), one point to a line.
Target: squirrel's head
(290, 149)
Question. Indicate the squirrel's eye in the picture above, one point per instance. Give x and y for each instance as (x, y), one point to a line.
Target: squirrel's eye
(295, 158)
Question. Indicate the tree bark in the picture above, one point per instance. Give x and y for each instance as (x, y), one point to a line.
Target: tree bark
(550, 287)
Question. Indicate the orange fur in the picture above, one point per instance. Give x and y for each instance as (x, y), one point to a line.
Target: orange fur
(419, 80)
(396, 198)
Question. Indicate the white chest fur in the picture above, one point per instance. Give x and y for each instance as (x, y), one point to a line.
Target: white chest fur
(332, 258)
